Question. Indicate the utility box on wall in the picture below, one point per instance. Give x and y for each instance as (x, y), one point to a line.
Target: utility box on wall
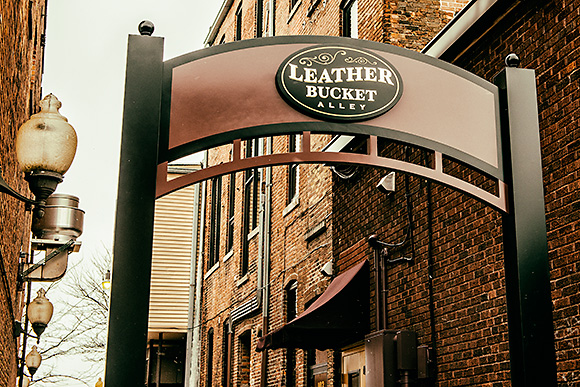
(381, 359)
(393, 359)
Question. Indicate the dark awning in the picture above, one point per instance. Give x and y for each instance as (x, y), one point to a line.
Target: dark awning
(337, 318)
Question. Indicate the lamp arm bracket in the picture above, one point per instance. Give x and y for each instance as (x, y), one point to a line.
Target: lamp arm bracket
(53, 254)
(4, 187)
(19, 330)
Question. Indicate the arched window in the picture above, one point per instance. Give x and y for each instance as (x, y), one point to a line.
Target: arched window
(245, 341)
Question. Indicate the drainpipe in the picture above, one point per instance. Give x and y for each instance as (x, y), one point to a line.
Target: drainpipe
(195, 351)
(192, 274)
(266, 263)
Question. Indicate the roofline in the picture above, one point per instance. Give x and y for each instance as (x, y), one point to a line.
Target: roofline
(214, 29)
(458, 26)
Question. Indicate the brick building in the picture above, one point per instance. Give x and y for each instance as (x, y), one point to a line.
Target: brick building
(268, 233)
(22, 27)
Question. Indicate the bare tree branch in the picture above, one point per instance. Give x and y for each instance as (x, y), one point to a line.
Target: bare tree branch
(78, 330)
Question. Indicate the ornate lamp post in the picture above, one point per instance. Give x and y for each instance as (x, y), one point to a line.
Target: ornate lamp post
(45, 148)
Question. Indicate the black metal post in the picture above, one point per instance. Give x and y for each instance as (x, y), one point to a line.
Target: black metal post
(22, 360)
(530, 324)
(131, 275)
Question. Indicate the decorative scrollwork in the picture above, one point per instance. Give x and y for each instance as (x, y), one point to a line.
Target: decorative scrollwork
(323, 59)
(360, 60)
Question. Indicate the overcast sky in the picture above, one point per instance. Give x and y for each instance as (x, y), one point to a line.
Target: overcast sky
(85, 57)
(86, 44)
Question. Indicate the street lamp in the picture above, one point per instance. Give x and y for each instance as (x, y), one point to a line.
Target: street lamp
(107, 280)
(45, 148)
(39, 313)
(33, 360)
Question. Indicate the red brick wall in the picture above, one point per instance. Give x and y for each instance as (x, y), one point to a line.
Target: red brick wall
(19, 96)
(409, 24)
(469, 309)
(547, 39)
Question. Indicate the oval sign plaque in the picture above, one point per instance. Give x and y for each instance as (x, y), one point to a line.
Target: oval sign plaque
(339, 83)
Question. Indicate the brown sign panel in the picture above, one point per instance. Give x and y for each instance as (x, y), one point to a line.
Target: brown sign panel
(339, 83)
(227, 92)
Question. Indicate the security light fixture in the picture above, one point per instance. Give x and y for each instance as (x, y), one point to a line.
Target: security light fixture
(327, 269)
(387, 183)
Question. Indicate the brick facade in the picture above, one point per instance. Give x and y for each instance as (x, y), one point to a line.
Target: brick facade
(547, 39)
(21, 52)
(294, 256)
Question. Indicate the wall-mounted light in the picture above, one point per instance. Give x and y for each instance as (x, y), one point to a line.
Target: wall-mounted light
(33, 360)
(328, 269)
(387, 183)
(39, 313)
(45, 148)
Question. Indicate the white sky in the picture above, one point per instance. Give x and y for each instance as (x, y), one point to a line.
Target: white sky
(86, 45)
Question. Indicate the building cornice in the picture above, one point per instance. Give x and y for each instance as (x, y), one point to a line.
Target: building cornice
(468, 26)
(215, 27)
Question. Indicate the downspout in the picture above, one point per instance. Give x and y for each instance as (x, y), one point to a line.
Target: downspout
(266, 263)
(192, 282)
(196, 328)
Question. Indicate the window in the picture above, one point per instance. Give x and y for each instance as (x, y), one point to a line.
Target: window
(165, 362)
(238, 34)
(350, 18)
(259, 18)
(223, 39)
(215, 220)
(291, 313)
(292, 170)
(231, 213)
(244, 361)
(209, 357)
(227, 354)
(250, 206)
(294, 4)
(316, 362)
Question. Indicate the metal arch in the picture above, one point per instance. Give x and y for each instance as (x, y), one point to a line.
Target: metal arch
(372, 158)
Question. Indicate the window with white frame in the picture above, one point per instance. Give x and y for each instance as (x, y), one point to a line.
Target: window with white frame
(350, 18)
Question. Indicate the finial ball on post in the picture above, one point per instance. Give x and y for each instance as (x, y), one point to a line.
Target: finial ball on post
(512, 60)
(146, 28)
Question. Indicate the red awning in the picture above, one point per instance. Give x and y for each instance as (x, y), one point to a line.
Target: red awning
(340, 316)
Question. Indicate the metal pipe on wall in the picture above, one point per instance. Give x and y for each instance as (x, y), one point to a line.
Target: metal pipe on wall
(266, 263)
(194, 376)
(192, 282)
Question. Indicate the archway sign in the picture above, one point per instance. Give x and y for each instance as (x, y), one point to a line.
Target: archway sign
(311, 84)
